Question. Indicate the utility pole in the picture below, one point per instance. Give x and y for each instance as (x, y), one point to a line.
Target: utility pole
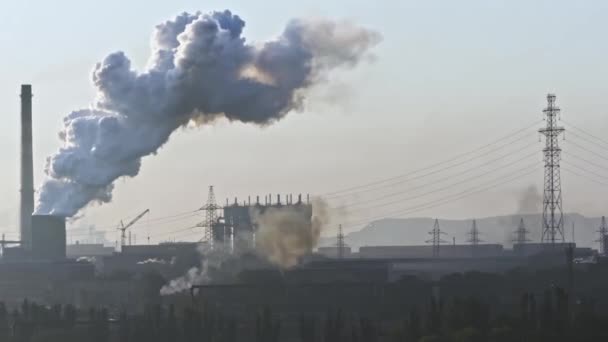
(436, 238)
(603, 232)
(211, 216)
(340, 243)
(521, 234)
(553, 216)
(474, 239)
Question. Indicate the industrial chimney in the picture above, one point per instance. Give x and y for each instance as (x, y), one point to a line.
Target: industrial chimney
(27, 167)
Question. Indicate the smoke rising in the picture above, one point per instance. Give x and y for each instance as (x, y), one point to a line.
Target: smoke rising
(200, 68)
(285, 234)
(530, 201)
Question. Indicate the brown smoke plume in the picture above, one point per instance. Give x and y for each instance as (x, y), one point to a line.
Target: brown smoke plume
(286, 234)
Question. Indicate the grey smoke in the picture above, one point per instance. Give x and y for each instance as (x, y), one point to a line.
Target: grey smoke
(530, 201)
(285, 234)
(201, 68)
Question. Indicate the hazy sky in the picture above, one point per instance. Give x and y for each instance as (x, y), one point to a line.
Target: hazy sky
(448, 77)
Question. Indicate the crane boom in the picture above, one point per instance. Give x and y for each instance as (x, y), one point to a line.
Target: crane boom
(123, 228)
(137, 218)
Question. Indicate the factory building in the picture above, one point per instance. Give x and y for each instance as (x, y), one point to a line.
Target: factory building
(239, 224)
(88, 250)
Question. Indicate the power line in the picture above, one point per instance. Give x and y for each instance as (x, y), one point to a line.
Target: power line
(585, 177)
(586, 160)
(475, 177)
(586, 149)
(362, 186)
(466, 180)
(589, 141)
(585, 132)
(585, 170)
(433, 204)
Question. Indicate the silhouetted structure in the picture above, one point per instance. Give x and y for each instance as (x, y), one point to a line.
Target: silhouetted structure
(211, 217)
(436, 240)
(27, 167)
(474, 239)
(521, 234)
(340, 244)
(553, 216)
(603, 232)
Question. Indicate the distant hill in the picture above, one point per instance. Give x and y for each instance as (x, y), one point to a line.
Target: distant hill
(498, 229)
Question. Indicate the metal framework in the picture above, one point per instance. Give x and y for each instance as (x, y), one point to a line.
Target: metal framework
(521, 234)
(436, 239)
(603, 231)
(340, 242)
(474, 239)
(123, 228)
(474, 235)
(211, 216)
(553, 216)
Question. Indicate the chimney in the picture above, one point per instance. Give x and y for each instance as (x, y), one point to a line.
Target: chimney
(27, 167)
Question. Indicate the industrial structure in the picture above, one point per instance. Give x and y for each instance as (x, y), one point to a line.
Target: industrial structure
(474, 239)
(436, 239)
(238, 225)
(521, 234)
(92, 274)
(27, 168)
(603, 232)
(553, 216)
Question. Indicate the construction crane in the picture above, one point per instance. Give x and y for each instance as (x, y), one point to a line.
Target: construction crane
(123, 228)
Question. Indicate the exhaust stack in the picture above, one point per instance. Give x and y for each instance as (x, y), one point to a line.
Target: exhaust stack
(27, 167)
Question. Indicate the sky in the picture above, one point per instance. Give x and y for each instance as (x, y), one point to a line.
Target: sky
(447, 78)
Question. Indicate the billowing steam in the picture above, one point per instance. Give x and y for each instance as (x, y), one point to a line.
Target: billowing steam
(286, 233)
(201, 68)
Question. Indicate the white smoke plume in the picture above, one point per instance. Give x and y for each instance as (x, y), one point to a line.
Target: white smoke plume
(212, 260)
(152, 261)
(201, 68)
(285, 234)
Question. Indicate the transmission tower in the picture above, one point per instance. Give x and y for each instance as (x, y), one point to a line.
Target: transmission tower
(603, 231)
(436, 238)
(474, 234)
(521, 234)
(340, 242)
(210, 216)
(474, 239)
(553, 216)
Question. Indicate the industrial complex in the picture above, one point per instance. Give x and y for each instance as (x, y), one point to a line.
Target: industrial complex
(42, 266)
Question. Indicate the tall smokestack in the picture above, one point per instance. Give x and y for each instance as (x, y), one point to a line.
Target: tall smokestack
(27, 167)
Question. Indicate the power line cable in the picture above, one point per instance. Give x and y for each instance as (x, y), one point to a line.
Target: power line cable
(585, 160)
(448, 199)
(585, 177)
(475, 177)
(585, 170)
(586, 149)
(585, 132)
(382, 181)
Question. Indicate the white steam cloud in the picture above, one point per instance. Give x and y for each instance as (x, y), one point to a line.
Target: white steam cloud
(201, 68)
